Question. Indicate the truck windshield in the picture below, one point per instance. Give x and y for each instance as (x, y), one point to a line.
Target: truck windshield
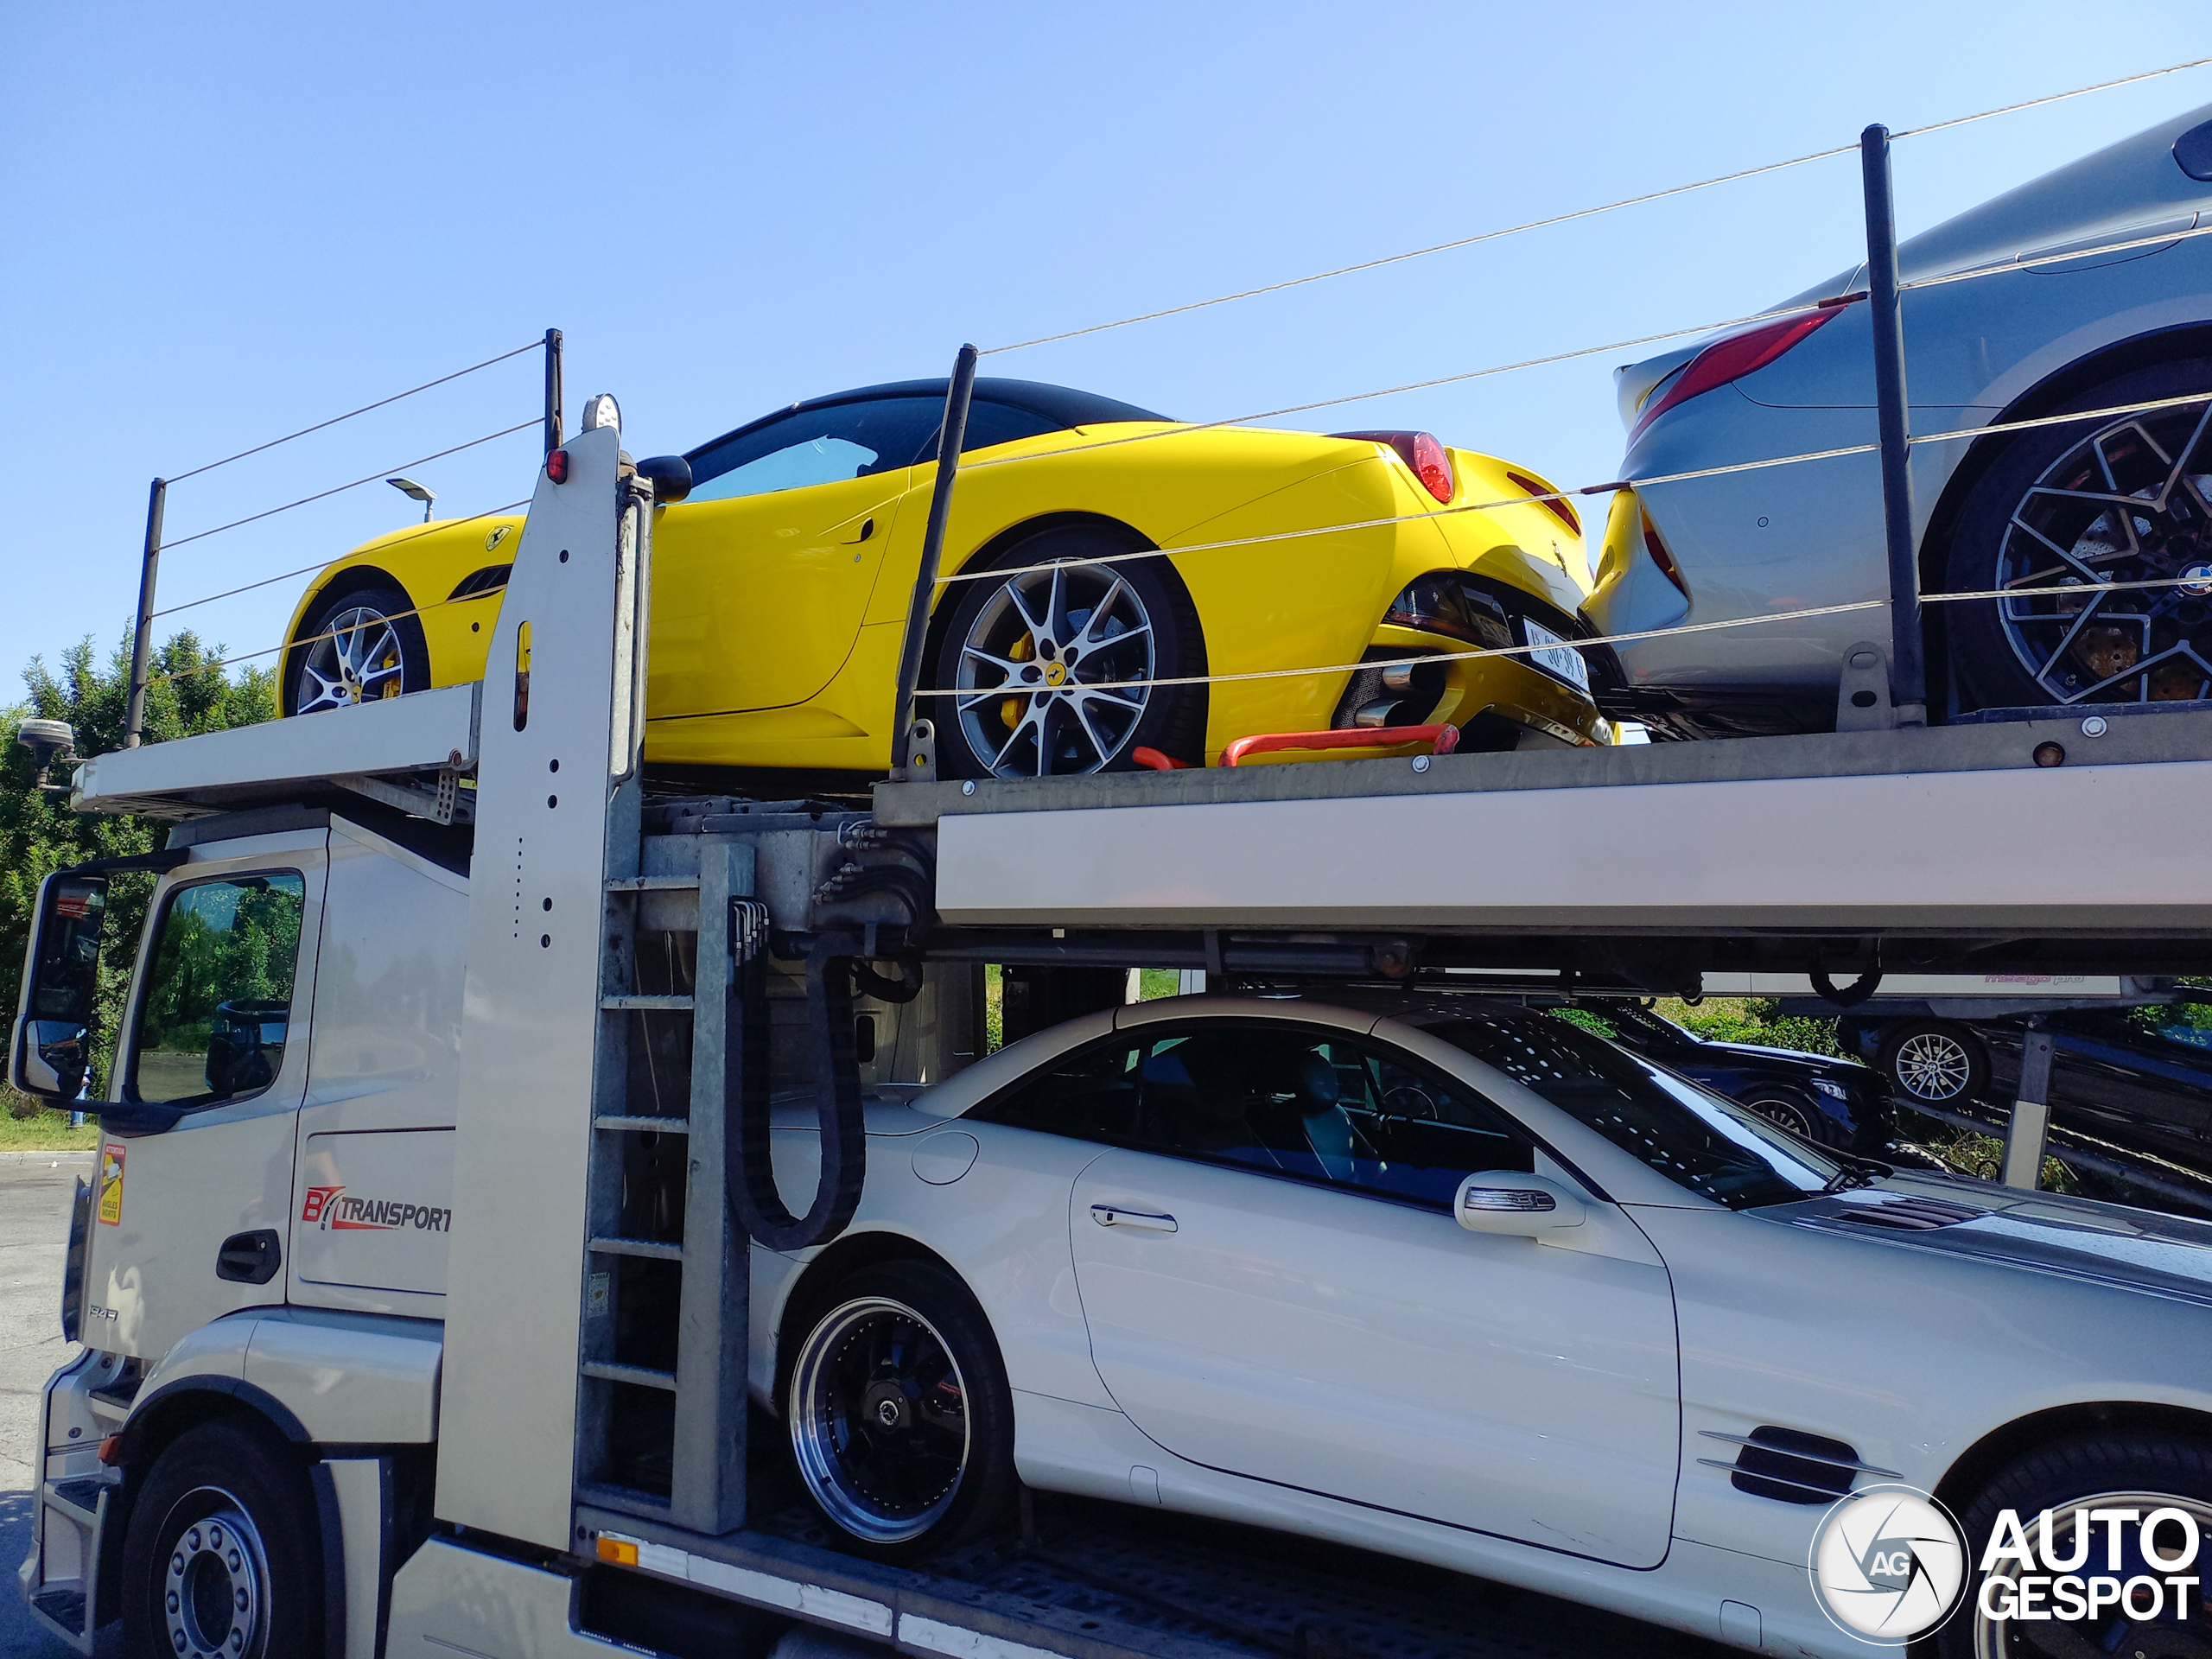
(1690, 1136)
(218, 997)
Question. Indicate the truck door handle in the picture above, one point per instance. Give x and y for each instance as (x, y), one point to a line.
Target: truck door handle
(1112, 1215)
(248, 1258)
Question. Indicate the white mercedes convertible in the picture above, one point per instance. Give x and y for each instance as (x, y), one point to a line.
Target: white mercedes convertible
(1462, 1282)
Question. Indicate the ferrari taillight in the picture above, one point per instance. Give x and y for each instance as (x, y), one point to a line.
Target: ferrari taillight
(1735, 357)
(1423, 455)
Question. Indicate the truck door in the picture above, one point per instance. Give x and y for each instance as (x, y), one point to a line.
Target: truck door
(1281, 1291)
(197, 1141)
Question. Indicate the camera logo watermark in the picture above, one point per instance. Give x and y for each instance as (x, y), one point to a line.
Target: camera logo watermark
(1888, 1564)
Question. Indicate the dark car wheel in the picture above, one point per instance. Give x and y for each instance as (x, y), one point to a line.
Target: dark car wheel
(363, 646)
(1789, 1113)
(1934, 1063)
(1052, 667)
(2124, 499)
(2113, 1470)
(222, 1560)
(900, 1420)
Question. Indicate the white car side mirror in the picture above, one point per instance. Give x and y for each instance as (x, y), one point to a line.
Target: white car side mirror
(1508, 1201)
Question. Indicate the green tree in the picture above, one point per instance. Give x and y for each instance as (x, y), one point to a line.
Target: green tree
(38, 832)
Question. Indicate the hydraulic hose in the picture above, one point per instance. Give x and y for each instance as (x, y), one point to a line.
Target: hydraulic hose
(752, 1184)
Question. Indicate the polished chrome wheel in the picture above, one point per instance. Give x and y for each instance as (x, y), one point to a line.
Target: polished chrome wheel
(1933, 1066)
(359, 657)
(215, 1588)
(2131, 502)
(878, 1420)
(1055, 670)
(2053, 1535)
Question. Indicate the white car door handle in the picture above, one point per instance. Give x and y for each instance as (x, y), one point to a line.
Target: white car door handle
(1108, 1215)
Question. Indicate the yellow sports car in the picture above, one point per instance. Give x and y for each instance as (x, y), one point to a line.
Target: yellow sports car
(780, 587)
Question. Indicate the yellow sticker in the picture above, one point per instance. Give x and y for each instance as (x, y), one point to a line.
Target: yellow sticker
(497, 536)
(112, 1184)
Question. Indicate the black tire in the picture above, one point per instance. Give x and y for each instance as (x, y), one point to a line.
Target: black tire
(262, 1583)
(308, 663)
(1934, 1063)
(979, 735)
(1991, 659)
(2055, 1478)
(872, 1417)
(1791, 1113)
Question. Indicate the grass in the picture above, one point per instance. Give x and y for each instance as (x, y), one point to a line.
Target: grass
(27, 1127)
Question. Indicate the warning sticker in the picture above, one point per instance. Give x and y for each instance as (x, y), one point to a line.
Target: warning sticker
(112, 1184)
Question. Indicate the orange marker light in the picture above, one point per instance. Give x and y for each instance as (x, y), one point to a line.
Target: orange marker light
(621, 1550)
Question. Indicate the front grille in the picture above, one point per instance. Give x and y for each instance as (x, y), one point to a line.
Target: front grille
(1790, 1466)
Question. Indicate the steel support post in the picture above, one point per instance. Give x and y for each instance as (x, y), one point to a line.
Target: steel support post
(1908, 669)
(953, 433)
(141, 643)
(2030, 1126)
(552, 390)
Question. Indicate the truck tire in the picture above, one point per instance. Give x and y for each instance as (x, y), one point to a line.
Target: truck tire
(1934, 1063)
(899, 1417)
(222, 1558)
(2117, 1470)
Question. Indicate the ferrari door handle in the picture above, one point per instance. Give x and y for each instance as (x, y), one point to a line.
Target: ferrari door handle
(1112, 1215)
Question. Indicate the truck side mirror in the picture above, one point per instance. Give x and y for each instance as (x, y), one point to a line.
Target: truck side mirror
(671, 476)
(53, 1047)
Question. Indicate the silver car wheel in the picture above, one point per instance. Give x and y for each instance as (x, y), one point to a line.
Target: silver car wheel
(2131, 502)
(2165, 1637)
(359, 658)
(215, 1584)
(1055, 672)
(878, 1420)
(1933, 1066)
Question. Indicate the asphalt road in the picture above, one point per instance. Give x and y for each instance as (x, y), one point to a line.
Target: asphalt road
(34, 1235)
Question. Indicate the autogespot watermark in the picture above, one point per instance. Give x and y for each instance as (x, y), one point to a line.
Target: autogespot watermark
(1889, 1565)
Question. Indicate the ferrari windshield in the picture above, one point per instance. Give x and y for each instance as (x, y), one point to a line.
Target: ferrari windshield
(1690, 1136)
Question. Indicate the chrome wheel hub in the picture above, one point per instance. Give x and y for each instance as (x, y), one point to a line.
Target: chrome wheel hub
(1055, 672)
(2132, 502)
(1932, 1067)
(215, 1584)
(878, 1420)
(358, 659)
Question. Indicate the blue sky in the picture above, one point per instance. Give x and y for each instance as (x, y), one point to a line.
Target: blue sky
(225, 221)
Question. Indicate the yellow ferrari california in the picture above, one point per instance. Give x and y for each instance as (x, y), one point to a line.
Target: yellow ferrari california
(780, 587)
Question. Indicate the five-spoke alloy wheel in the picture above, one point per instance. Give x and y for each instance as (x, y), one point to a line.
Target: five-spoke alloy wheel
(363, 646)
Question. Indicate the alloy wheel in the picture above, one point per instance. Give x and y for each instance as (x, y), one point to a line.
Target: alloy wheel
(878, 1420)
(1933, 1066)
(1056, 672)
(2131, 502)
(358, 659)
(215, 1583)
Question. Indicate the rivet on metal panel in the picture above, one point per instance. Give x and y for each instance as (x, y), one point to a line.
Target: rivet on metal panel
(967, 788)
(1420, 763)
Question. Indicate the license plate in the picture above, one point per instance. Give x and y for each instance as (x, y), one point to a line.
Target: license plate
(1556, 656)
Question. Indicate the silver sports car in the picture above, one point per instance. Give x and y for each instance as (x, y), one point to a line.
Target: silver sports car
(2110, 498)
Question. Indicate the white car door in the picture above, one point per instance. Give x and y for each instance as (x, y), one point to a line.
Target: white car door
(1276, 1288)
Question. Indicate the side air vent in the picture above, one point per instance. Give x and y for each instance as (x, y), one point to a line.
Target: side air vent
(491, 577)
(1790, 1466)
(1912, 1214)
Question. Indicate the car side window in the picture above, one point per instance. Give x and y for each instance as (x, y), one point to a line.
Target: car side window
(1089, 1096)
(1320, 1108)
(817, 446)
(217, 1001)
(990, 424)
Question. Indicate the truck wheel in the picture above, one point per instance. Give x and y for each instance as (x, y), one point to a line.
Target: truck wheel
(900, 1420)
(1934, 1063)
(1023, 650)
(359, 646)
(2047, 514)
(2116, 1470)
(222, 1558)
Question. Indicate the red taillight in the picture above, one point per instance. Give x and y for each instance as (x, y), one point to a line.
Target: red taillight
(556, 466)
(1563, 510)
(1422, 454)
(1734, 358)
(1660, 555)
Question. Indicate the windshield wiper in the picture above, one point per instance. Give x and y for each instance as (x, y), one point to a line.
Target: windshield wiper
(1857, 1172)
